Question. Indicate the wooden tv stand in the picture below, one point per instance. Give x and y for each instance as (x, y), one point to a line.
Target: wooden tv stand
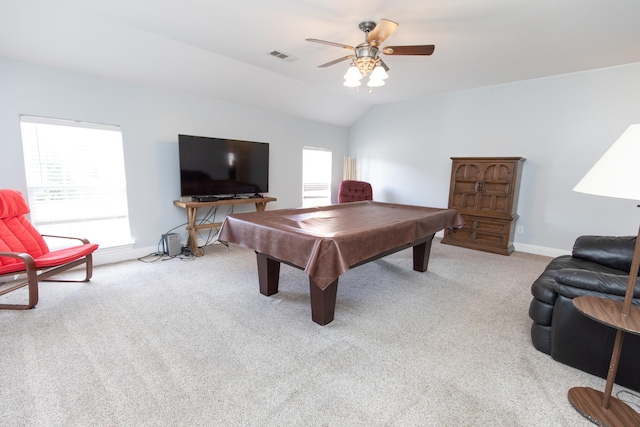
(192, 214)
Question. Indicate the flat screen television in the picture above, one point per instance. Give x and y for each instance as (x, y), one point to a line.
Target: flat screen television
(222, 167)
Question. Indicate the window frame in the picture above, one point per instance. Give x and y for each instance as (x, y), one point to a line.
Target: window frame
(76, 196)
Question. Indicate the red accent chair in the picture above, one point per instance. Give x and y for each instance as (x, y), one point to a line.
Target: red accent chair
(354, 191)
(24, 251)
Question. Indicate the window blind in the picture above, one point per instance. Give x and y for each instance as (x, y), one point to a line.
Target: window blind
(75, 173)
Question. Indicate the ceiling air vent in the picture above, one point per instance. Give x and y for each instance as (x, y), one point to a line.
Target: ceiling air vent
(284, 56)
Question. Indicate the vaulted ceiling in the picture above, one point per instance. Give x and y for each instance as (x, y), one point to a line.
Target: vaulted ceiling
(222, 49)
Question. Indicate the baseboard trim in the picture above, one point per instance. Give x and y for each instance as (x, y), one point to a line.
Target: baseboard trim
(540, 250)
(120, 253)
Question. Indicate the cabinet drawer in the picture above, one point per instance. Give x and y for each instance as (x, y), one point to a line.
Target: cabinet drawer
(483, 224)
(479, 238)
(488, 234)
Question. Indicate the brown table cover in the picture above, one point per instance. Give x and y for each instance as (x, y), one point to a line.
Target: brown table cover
(325, 241)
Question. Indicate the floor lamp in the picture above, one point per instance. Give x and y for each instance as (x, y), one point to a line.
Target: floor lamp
(616, 174)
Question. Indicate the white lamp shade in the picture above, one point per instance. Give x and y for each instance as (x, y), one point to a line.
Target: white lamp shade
(375, 82)
(617, 173)
(352, 83)
(353, 73)
(379, 73)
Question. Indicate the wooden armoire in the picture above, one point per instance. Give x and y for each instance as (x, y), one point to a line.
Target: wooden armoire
(485, 192)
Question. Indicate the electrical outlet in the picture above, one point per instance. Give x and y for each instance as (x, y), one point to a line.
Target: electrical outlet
(520, 229)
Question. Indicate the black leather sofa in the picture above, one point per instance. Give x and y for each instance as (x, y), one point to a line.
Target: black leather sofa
(598, 266)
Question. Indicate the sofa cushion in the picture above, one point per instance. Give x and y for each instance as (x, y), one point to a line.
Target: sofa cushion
(18, 235)
(542, 289)
(12, 204)
(572, 282)
(66, 255)
(613, 252)
(50, 259)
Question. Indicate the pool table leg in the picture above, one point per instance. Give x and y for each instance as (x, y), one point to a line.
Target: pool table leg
(421, 255)
(268, 274)
(323, 302)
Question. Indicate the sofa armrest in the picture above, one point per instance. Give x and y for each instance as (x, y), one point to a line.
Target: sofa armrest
(611, 251)
(573, 282)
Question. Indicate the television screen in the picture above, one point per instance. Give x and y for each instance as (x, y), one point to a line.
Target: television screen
(222, 167)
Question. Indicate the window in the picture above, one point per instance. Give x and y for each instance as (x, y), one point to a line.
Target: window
(316, 177)
(75, 179)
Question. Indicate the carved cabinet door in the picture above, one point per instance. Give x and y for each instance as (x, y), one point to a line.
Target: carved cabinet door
(495, 195)
(484, 185)
(464, 193)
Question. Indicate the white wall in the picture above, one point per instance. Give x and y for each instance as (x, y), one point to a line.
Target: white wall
(561, 125)
(151, 120)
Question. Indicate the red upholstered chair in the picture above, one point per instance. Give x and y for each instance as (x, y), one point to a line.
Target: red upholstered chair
(354, 191)
(24, 251)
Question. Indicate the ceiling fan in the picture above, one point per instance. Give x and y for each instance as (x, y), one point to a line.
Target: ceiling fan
(365, 55)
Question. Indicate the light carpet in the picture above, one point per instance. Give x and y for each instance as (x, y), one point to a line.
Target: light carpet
(194, 343)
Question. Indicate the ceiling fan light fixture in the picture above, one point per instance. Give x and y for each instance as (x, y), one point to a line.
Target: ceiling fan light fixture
(365, 60)
(379, 73)
(365, 64)
(352, 82)
(375, 82)
(353, 73)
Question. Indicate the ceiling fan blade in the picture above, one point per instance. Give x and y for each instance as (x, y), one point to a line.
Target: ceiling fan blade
(426, 49)
(381, 31)
(331, 43)
(335, 61)
(383, 64)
